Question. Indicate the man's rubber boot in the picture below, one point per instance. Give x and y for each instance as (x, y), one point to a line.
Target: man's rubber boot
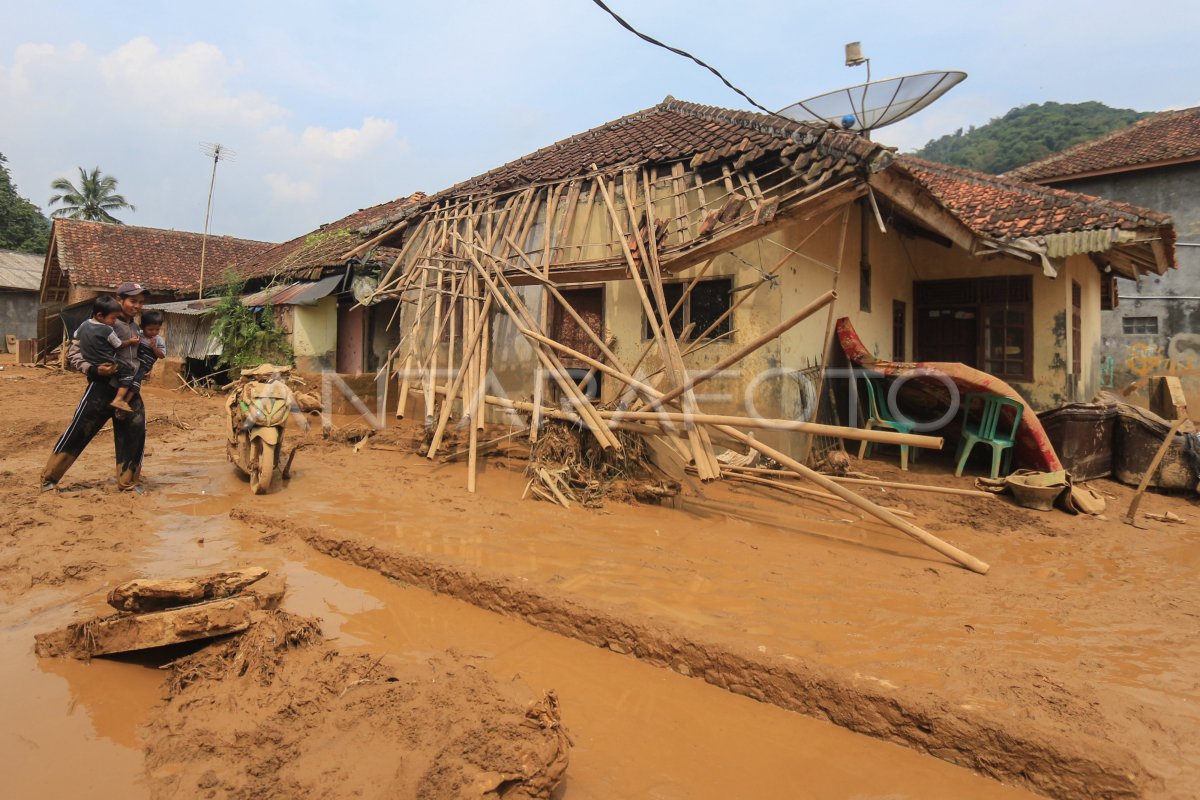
(56, 467)
(129, 479)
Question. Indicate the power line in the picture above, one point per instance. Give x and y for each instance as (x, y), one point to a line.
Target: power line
(688, 55)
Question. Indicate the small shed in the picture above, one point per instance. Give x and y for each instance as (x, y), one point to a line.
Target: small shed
(20, 281)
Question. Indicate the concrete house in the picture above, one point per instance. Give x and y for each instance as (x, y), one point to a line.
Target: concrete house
(314, 281)
(86, 259)
(930, 262)
(1152, 324)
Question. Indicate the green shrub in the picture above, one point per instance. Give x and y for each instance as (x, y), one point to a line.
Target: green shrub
(248, 337)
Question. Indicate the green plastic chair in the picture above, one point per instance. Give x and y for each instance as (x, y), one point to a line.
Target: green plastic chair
(879, 418)
(984, 431)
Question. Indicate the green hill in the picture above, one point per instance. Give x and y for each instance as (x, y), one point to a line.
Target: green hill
(1026, 134)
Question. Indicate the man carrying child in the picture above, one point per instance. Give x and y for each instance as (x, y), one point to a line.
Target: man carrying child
(97, 405)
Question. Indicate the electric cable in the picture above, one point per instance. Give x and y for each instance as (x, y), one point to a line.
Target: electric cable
(688, 55)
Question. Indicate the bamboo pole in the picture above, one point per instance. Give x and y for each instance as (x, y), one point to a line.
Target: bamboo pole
(447, 402)
(479, 318)
(727, 313)
(698, 454)
(429, 377)
(520, 315)
(903, 487)
(798, 490)
(733, 358)
(659, 415)
(559, 373)
(401, 225)
(922, 536)
(926, 538)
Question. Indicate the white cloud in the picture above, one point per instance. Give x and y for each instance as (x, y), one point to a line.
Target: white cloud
(349, 143)
(187, 84)
(286, 190)
(140, 112)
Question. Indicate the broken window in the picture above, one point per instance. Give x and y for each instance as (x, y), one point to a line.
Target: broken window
(1140, 325)
(703, 307)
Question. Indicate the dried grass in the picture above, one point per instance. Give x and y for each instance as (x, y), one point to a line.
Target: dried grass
(567, 464)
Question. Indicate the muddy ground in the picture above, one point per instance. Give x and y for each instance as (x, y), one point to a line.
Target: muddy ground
(1071, 669)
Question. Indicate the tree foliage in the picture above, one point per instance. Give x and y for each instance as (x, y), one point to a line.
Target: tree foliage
(94, 198)
(23, 227)
(248, 337)
(1026, 134)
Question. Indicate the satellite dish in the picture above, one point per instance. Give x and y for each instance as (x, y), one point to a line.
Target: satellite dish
(874, 104)
(363, 288)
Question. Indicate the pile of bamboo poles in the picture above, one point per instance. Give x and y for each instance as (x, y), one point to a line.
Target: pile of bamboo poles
(462, 270)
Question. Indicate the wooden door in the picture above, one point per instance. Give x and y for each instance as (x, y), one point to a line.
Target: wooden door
(350, 323)
(948, 334)
(588, 304)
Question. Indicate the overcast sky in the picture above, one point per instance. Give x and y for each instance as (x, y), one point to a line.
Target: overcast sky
(335, 107)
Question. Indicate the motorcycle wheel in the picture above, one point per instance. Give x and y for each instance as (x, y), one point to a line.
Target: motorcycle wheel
(264, 469)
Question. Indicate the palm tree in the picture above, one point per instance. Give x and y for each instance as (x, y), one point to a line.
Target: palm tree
(94, 198)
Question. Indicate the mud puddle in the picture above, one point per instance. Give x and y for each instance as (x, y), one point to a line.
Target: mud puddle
(639, 731)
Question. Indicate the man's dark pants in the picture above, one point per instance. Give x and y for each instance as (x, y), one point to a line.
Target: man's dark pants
(129, 434)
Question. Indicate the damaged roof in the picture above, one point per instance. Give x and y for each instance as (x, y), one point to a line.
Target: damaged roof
(103, 255)
(673, 130)
(308, 255)
(1004, 209)
(1167, 138)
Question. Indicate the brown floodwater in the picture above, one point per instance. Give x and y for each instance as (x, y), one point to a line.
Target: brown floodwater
(638, 731)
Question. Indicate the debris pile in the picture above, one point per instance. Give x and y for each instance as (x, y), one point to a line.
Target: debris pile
(566, 465)
(160, 612)
(468, 265)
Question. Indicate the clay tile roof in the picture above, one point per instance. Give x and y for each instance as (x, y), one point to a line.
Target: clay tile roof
(306, 256)
(1166, 137)
(104, 255)
(1002, 208)
(673, 130)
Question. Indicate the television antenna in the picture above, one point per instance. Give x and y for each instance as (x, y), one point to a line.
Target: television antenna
(218, 153)
(874, 104)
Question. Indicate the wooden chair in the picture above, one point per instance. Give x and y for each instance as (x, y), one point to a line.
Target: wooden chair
(985, 430)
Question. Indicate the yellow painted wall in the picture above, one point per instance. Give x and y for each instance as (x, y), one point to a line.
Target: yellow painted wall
(314, 335)
(763, 383)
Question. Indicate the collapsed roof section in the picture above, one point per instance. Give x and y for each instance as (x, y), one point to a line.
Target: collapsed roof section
(718, 178)
(331, 245)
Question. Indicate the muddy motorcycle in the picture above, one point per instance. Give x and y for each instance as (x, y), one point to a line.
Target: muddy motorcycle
(258, 409)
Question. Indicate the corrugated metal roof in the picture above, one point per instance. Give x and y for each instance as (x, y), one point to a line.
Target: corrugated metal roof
(292, 294)
(186, 307)
(296, 294)
(20, 271)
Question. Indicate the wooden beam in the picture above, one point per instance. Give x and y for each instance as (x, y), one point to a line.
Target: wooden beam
(918, 203)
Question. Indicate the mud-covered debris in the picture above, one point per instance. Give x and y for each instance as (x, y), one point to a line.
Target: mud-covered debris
(429, 728)
(156, 594)
(125, 631)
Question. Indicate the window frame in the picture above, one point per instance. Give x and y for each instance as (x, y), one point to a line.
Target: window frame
(685, 313)
(1139, 321)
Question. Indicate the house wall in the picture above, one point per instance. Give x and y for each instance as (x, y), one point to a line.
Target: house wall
(314, 335)
(18, 315)
(765, 382)
(1175, 349)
